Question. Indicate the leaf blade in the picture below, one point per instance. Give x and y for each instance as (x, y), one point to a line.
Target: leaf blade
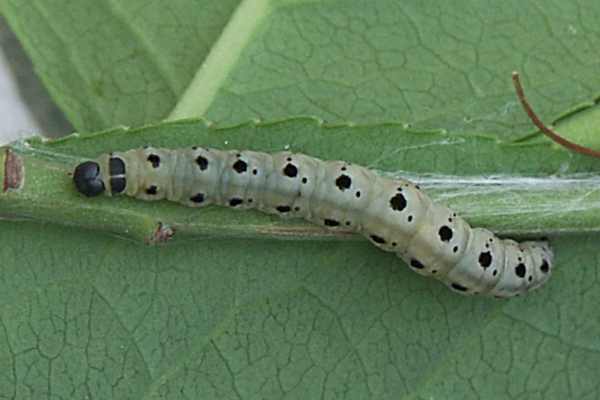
(509, 201)
(110, 62)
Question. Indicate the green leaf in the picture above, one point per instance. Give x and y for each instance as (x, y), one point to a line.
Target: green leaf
(428, 64)
(117, 62)
(507, 203)
(582, 127)
(87, 315)
(432, 65)
(236, 317)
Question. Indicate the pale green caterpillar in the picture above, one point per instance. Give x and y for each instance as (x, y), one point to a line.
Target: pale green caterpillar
(394, 214)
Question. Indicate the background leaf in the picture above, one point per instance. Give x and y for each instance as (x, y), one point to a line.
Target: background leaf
(84, 314)
(117, 62)
(430, 64)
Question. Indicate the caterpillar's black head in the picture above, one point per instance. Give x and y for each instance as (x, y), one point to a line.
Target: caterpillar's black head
(87, 179)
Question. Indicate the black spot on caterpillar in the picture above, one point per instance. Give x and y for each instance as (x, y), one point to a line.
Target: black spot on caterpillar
(331, 222)
(343, 182)
(398, 202)
(154, 160)
(283, 209)
(197, 198)
(240, 166)
(393, 213)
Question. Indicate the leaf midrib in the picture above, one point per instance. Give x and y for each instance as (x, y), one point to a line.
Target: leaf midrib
(208, 80)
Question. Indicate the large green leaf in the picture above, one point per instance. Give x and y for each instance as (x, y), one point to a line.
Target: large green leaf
(109, 62)
(508, 203)
(84, 314)
(431, 64)
(233, 317)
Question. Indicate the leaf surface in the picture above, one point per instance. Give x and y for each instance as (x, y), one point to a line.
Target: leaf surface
(503, 195)
(245, 318)
(429, 64)
(111, 62)
(84, 314)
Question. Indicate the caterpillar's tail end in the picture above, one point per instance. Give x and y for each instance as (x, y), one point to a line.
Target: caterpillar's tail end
(87, 179)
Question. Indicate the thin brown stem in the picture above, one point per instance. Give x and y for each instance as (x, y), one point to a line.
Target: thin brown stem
(545, 129)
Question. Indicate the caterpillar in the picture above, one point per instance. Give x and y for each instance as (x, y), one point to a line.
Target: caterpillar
(394, 214)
